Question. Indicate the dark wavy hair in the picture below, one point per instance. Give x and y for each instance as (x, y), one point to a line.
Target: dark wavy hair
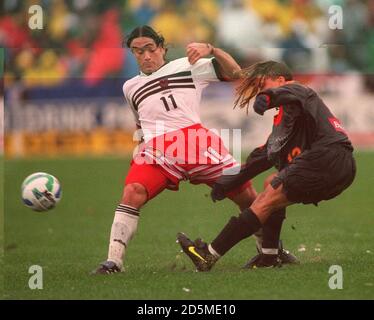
(144, 31)
(254, 78)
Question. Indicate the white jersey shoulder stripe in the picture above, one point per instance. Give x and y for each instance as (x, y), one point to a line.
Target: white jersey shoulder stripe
(158, 80)
(179, 86)
(162, 83)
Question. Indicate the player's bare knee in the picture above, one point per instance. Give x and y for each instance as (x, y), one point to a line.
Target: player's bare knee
(273, 199)
(135, 190)
(266, 201)
(262, 205)
(134, 195)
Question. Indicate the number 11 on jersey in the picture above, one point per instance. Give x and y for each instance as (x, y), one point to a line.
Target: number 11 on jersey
(166, 104)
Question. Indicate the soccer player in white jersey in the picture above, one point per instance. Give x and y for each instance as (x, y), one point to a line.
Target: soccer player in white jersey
(165, 100)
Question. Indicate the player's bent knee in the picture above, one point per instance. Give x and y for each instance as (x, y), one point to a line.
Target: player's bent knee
(261, 204)
(134, 195)
(268, 200)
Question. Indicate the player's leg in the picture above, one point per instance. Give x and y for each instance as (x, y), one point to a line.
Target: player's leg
(249, 221)
(244, 199)
(143, 183)
(243, 196)
(260, 234)
(268, 243)
(269, 247)
(125, 221)
(268, 238)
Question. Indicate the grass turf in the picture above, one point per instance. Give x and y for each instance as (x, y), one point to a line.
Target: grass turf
(71, 240)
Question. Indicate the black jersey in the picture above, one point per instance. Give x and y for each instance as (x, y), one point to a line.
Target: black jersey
(303, 122)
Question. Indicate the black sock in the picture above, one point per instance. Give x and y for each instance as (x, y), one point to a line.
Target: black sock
(237, 229)
(271, 230)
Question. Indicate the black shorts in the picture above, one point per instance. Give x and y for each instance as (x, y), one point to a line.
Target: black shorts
(317, 174)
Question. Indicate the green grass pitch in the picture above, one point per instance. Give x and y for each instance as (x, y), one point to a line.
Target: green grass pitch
(71, 240)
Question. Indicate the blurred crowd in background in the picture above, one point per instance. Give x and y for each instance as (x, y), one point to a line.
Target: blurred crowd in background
(83, 38)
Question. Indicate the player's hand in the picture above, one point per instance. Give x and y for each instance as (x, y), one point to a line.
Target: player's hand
(218, 192)
(195, 51)
(261, 103)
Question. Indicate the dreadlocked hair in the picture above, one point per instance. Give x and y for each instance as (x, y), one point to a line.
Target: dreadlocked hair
(254, 78)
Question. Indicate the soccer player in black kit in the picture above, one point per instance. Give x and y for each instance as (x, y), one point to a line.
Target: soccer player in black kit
(307, 145)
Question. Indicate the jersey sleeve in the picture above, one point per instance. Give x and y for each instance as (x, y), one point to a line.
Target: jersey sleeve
(286, 95)
(207, 70)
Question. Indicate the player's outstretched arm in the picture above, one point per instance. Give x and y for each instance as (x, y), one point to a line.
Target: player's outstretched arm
(229, 67)
(273, 98)
(283, 95)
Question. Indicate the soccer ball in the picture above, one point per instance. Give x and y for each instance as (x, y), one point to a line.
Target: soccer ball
(41, 191)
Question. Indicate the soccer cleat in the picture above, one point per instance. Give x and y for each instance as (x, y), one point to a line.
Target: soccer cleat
(285, 256)
(107, 267)
(197, 251)
(261, 261)
(264, 261)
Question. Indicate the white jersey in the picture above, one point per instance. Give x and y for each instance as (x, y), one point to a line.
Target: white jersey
(169, 99)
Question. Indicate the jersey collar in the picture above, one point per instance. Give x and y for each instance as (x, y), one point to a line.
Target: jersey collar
(147, 75)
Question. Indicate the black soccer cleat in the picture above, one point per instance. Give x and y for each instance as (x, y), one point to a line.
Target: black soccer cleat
(264, 261)
(261, 261)
(197, 251)
(285, 256)
(107, 267)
